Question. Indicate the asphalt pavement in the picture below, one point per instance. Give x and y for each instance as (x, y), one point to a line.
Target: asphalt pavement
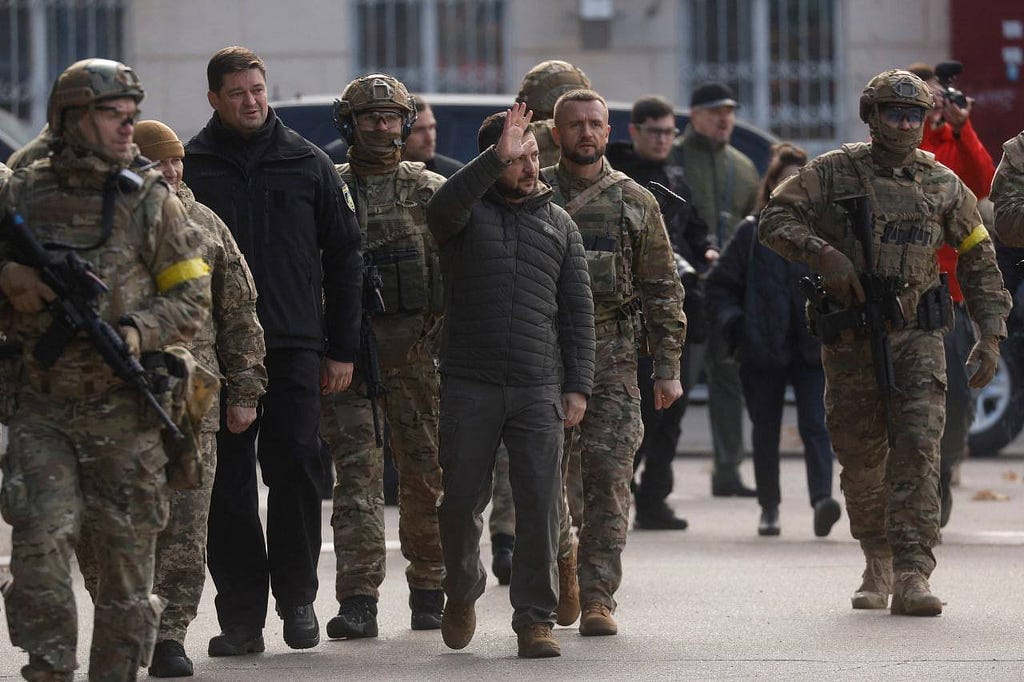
(712, 602)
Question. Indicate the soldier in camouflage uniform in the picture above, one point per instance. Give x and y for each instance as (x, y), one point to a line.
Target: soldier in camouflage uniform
(634, 278)
(892, 492)
(541, 87)
(84, 450)
(231, 341)
(375, 114)
(1008, 193)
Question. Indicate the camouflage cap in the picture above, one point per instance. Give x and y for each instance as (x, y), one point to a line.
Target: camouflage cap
(88, 81)
(375, 91)
(546, 82)
(895, 86)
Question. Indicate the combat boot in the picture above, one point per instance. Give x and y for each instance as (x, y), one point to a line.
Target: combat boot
(301, 628)
(39, 670)
(356, 619)
(911, 596)
(426, 606)
(568, 609)
(502, 546)
(458, 623)
(237, 641)
(535, 641)
(169, 660)
(597, 620)
(876, 583)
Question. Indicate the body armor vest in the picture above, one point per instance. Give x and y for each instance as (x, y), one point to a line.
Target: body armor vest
(394, 231)
(609, 225)
(65, 216)
(906, 230)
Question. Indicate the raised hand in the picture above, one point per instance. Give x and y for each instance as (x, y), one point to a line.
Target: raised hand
(517, 121)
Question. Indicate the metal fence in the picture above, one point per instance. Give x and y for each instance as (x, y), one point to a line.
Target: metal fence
(39, 38)
(404, 38)
(780, 56)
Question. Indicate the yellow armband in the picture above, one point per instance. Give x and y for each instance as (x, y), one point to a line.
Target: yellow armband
(182, 271)
(977, 236)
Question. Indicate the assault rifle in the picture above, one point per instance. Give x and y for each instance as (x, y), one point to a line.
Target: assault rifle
(373, 304)
(74, 311)
(881, 307)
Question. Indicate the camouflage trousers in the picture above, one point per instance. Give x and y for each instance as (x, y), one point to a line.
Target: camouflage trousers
(892, 493)
(503, 512)
(346, 425)
(180, 569)
(94, 464)
(606, 440)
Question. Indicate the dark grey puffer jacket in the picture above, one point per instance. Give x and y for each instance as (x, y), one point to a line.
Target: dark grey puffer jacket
(519, 311)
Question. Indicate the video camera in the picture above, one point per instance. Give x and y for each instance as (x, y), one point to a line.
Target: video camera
(946, 73)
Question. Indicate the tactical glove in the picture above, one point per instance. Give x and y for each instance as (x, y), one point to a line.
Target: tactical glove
(839, 276)
(985, 355)
(24, 289)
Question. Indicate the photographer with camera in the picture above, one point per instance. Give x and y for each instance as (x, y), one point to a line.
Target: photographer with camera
(949, 135)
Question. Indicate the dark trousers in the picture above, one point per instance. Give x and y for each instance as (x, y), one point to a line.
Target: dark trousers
(475, 416)
(764, 390)
(661, 435)
(242, 563)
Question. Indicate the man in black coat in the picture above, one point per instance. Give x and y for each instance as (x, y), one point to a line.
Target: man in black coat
(285, 206)
(645, 159)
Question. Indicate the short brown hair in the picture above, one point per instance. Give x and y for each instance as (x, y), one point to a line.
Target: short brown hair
(579, 95)
(650, 106)
(231, 59)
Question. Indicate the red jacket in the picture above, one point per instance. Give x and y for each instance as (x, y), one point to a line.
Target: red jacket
(967, 158)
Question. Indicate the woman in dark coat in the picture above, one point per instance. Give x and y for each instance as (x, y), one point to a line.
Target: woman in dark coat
(752, 296)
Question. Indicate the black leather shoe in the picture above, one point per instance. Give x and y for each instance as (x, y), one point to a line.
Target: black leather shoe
(502, 546)
(356, 619)
(658, 517)
(237, 641)
(169, 660)
(732, 489)
(945, 497)
(769, 523)
(826, 513)
(426, 606)
(301, 628)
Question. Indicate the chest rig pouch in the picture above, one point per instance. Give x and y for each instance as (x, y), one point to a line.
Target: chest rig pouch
(906, 239)
(393, 223)
(604, 226)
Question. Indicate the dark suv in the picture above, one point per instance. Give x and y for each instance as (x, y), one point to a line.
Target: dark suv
(459, 117)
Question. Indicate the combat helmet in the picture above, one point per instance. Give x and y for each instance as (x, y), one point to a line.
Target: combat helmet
(87, 82)
(546, 82)
(895, 86)
(373, 91)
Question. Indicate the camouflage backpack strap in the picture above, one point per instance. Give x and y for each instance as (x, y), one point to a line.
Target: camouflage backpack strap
(860, 157)
(594, 191)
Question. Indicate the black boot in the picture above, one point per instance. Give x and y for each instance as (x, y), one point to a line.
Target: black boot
(357, 618)
(237, 641)
(769, 523)
(502, 546)
(169, 660)
(426, 606)
(826, 513)
(945, 497)
(301, 628)
(657, 516)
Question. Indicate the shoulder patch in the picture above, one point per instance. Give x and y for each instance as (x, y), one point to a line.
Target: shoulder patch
(348, 197)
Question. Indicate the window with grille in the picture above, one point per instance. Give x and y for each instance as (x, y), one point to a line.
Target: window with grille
(779, 56)
(40, 38)
(404, 38)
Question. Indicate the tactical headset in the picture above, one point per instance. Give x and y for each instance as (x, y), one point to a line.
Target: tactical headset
(344, 116)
